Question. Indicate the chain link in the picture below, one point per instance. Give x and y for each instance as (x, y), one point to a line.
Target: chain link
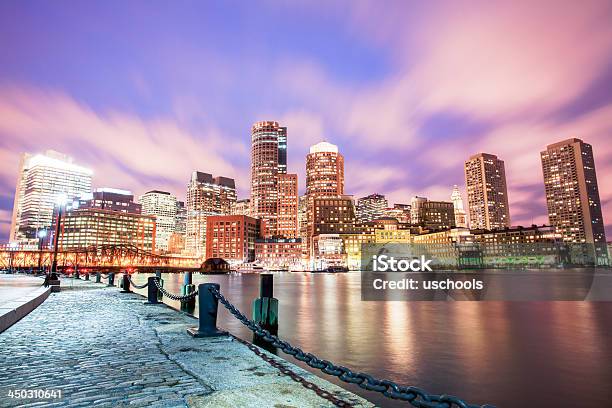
(135, 285)
(415, 396)
(172, 296)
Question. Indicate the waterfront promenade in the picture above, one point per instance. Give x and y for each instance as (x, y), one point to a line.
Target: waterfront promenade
(99, 347)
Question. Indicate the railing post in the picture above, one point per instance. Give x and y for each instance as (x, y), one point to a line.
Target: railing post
(151, 291)
(208, 305)
(126, 283)
(188, 287)
(265, 308)
(111, 279)
(98, 277)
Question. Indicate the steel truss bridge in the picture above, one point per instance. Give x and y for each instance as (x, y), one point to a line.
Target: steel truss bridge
(110, 258)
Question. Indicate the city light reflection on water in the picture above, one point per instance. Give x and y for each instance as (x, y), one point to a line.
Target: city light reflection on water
(508, 354)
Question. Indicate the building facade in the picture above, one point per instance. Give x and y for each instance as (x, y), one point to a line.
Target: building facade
(106, 217)
(370, 207)
(242, 207)
(232, 237)
(485, 179)
(460, 215)
(572, 194)
(42, 179)
(206, 196)
(163, 206)
(278, 253)
(288, 200)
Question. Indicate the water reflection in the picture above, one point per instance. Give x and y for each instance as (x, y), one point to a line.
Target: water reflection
(510, 354)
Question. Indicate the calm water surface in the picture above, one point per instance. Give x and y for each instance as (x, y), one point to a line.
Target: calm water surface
(509, 354)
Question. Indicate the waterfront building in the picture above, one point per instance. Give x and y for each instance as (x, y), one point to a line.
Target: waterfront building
(42, 179)
(176, 243)
(328, 252)
(370, 207)
(400, 212)
(485, 179)
(163, 206)
(278, 253)
(242, 207)
(389, 230)
(106, 217)
(415, 205)
(572, 194)
(232, 237)
(180, 221)
(268, 160)
(206, 196)
(287, 220)
(460, 216)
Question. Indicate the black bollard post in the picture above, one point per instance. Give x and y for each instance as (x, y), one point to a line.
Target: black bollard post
(265, 308)
(98, 277)
(86, 276)
(76, 272)
(111, 279)
(126, 283)
(151, 291)
(208, 305)
(188, 287)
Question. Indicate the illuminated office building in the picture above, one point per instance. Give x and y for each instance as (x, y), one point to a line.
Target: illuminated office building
(206, 196)
(41, 181)
(242, 207)
(287, 217)
(163, 206)
(572, 194)
(485, 179)
(232, 237)
(371, 207)
(460, 216)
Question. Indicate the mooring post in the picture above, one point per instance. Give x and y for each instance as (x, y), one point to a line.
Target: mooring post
(126, 283)
(98, 277)
(152, 291)
(86, 276)
(188, 287)
(111, 279)
(76, 272)
(208, 305)
(265, 308)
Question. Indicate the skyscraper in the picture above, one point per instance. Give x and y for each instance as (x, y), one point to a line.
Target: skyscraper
(42, 179)
(371, 207)
(206, 195)
(163, 206)
(485, 179)
(460, 216)
(287, 224)
(324, 171)
(268, 161)
(572, 194)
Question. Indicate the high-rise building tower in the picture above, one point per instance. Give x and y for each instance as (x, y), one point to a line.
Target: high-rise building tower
(268, 161)
(324, 171)
(287, 222)
(206, 195)
(460, 216)
(371, 207)
(415, 205)
(163, 206)
(485, 179)
(42, 179)
(572, 194)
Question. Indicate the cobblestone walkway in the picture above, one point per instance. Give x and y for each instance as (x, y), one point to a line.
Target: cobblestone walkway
(103, 348)
(97, 348)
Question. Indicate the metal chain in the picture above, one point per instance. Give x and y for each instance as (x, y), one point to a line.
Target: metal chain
(172, 295)
(415, 396)
(135, 285)
(295, 376)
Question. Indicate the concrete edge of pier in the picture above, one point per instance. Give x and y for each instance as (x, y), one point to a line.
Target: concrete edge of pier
(15, 310)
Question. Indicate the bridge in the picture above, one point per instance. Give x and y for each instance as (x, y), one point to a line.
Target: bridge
(111, 258)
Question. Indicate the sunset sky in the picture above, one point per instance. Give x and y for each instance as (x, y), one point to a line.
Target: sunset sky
(146, 92)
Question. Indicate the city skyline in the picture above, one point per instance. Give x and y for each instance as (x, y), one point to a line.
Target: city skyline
(145, 128)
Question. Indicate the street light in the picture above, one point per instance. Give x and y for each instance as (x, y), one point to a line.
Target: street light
(12, 248)
(61, 201)
(41, 236)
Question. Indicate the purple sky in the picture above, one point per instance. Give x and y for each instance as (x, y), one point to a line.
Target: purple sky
(146, 92)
